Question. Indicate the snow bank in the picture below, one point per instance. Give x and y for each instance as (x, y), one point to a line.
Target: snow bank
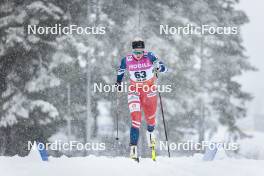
(252, 148)
(104, 166)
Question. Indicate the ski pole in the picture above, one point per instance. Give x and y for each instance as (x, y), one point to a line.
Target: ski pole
(164, 124)
(117, 106)
(163, 119)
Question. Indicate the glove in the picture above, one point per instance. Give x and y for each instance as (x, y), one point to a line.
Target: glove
(118, 86)
(156, 68)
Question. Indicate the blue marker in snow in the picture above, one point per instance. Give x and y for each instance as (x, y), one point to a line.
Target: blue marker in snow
(43, 152)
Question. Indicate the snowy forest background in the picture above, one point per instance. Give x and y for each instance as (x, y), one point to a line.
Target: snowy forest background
(46, 81)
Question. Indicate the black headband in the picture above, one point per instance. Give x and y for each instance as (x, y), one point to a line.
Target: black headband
(138, 44)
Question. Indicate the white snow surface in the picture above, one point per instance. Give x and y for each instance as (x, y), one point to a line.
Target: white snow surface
(105, 166)
(252, 148)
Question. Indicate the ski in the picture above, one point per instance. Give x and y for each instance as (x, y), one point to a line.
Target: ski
(135, 159)
(153, 151)
(133, 153)
(151, 139)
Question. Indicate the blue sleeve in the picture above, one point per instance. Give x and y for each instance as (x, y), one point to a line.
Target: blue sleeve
(154, 59)
(121, 70)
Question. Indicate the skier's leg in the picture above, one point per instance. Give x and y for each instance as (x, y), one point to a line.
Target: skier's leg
(135, 112)
(149, 105)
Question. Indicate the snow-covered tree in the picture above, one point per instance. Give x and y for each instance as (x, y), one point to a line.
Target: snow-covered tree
(26, 74)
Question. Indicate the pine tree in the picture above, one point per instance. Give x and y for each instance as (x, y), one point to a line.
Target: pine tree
(26, 73)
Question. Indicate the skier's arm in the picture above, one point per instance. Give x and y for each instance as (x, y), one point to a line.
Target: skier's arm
(121, 70)
(158, 64)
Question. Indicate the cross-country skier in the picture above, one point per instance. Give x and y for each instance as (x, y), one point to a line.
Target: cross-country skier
(142, 67)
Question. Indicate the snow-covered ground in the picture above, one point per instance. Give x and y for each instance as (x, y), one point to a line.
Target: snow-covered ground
(104, 166)
(122, 166)
(252, 148)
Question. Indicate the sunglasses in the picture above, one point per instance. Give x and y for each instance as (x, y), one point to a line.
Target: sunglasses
(137, 52)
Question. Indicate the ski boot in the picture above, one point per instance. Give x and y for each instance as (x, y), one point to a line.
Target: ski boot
(133, 153)
(152, 144)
